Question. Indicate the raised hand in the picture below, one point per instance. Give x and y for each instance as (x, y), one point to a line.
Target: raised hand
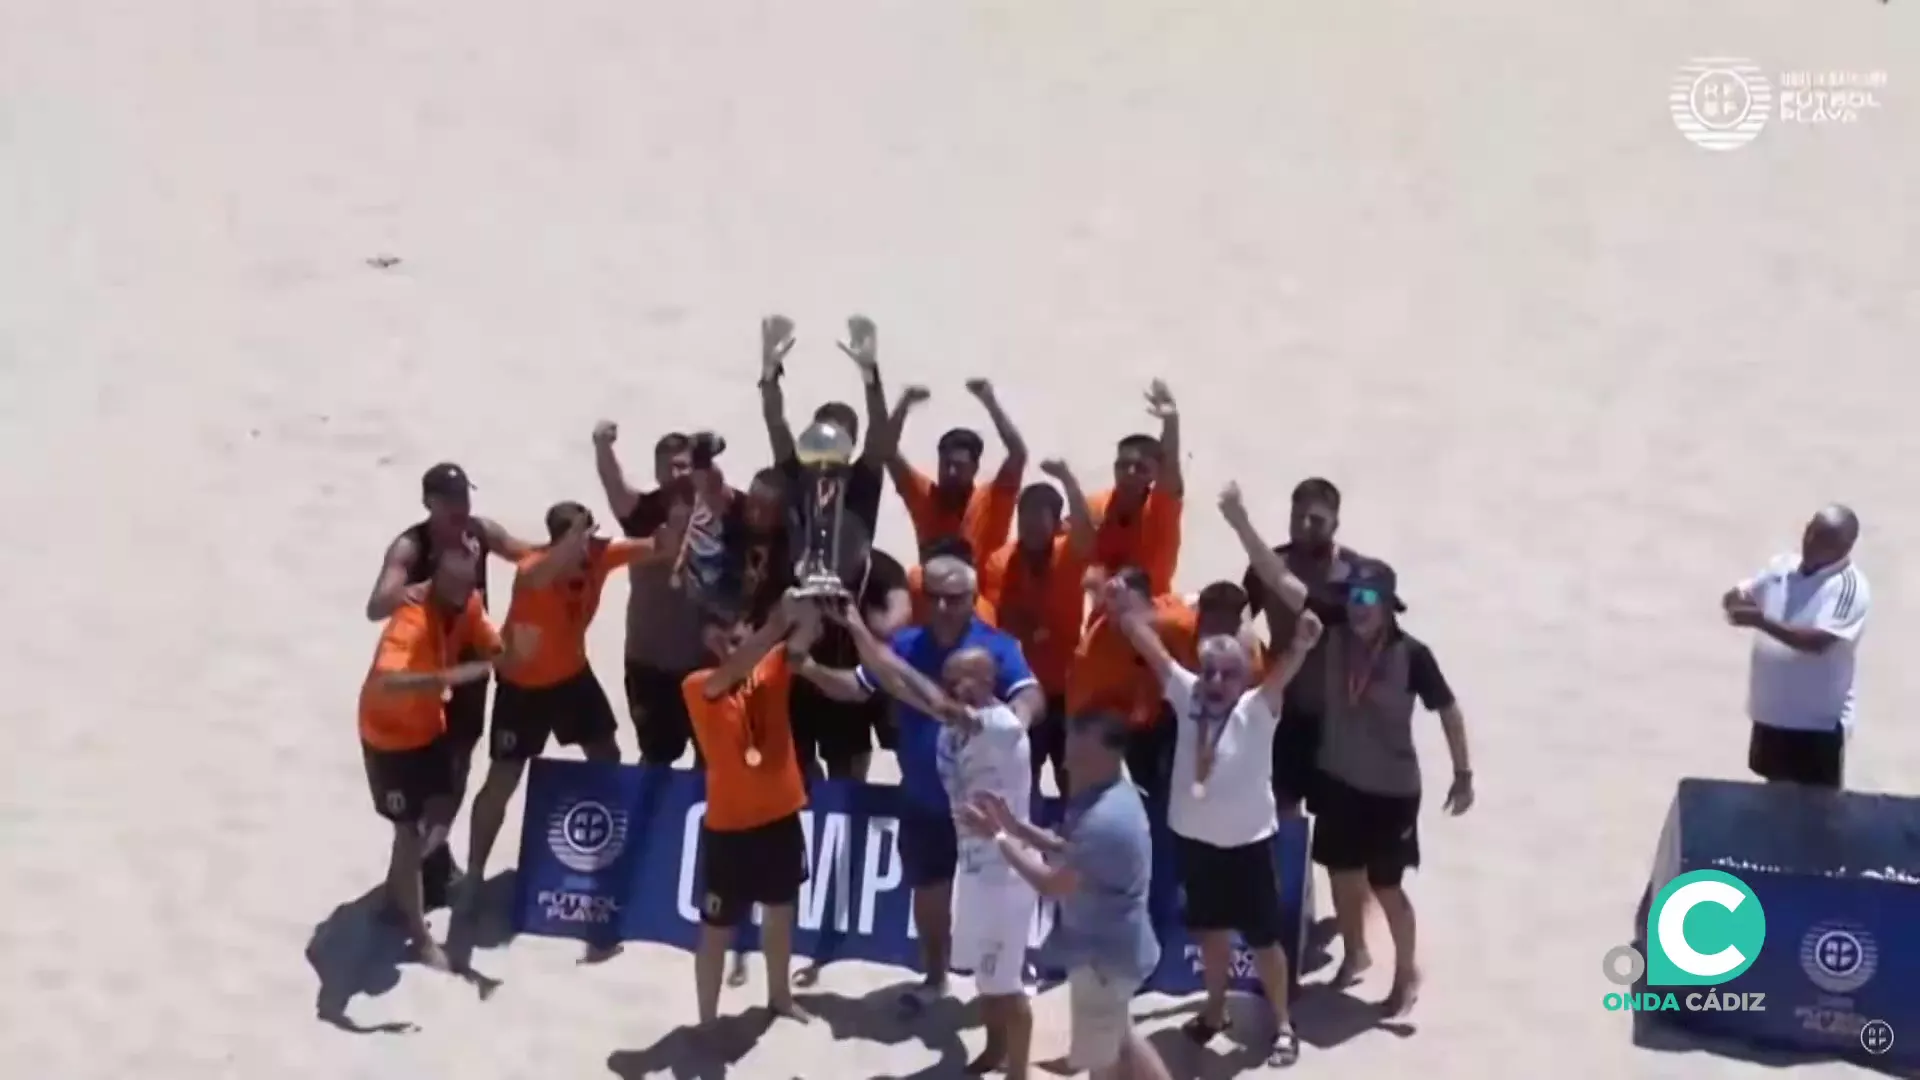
(1307, 629)
(1233, 506)
(1056, 468)
(980, 388)
(1160, 403)
(863, 343)
(915, 395)
(776, 341)
(605, 432)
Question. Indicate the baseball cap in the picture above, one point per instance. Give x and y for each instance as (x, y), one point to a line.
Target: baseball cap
(1378, 577)
(445, 478)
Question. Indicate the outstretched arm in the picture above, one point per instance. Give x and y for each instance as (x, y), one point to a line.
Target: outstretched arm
(1270, 569)
(895, 676)
(863, 348)
(1082, 530)
(1129, 615)
(1010, 437)
(1306, 634)
(621, 497)
(1160, 403)
(897, 465)
(733, 671)
(776, 340)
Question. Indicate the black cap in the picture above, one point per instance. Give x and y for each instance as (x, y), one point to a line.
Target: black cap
(447, 479)
(707, 445)
(1378, 576)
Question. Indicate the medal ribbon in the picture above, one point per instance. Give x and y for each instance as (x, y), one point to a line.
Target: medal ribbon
(1206, 742)
(1359, 682)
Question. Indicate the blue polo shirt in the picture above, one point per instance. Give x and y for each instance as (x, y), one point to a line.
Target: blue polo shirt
(918, 750)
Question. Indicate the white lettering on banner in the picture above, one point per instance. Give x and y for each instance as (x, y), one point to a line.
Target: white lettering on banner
(690, 862)
(574, 907)
(1240, 967)
(883, 847)
(827, 853)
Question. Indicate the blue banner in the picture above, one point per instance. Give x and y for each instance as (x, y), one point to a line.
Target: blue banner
(611, 853)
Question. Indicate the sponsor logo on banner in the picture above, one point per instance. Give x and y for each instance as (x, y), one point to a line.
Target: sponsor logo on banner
(1240, 966)
(586, 836)
(560, 905)
(1839, 958)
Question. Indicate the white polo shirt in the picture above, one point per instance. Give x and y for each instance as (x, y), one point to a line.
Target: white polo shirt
(1806, 691)
(1238, 807)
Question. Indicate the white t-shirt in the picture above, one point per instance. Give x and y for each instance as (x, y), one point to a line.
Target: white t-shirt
(1238, 807)
(1806, 691)
(995, 760)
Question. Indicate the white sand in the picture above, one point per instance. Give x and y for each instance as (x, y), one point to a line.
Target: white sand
(1574, 373)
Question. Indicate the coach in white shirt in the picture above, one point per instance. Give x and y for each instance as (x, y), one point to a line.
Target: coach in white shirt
(1221, 807)
(1809, 610)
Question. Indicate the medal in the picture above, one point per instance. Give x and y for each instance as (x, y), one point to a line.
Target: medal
(1199, 790)
(753, 757)
(446, 695)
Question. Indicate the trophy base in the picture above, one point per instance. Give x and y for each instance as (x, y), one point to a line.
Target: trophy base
(822, 587)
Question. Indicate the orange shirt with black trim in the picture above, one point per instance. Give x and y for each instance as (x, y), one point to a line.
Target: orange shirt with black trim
(1149, 538)
(419, 638)
(561, 611)
(917, 593)
(1108, 673)
(982, 521)
(753, 714)
(1044, 609)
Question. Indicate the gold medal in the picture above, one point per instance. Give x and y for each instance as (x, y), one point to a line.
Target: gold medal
(446, 695)
(753, 757)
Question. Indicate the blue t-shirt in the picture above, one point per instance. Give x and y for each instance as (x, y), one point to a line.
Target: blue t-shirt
(918, 750)
(1104, 924)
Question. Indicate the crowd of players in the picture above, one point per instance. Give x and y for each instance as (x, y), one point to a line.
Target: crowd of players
(1038, 630)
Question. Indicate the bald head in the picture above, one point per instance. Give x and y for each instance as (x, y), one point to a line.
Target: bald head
(1829, 537)
(969, 675)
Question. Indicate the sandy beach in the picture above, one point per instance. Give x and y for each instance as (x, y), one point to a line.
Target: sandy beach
(1575, 375)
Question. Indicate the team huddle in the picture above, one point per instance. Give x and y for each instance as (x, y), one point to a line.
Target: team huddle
(1037, 629)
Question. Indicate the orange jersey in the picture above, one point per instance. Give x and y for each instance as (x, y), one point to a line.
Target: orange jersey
(917, 591)
(1149, 538)
(1108, 674)
(982, 521)
(418, 639)
(1045, 609)
(742, 796)
(561, 611)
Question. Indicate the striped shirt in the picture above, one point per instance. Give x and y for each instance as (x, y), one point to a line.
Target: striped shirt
(1807, 691)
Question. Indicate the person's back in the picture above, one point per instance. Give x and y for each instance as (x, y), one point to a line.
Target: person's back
(1104, 925)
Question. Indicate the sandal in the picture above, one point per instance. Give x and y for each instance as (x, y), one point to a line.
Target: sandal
(1284, 1050)
(1201, 1031)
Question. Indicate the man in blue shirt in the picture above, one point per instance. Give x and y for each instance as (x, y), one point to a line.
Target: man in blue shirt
(929, 846)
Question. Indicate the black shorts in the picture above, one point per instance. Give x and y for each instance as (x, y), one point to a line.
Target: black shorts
(661, 722)
(1815, 758)
(1296, 750)
(1236, 888)
(1047, 742)
(1358, 830)
(404, 781)
(836, 731)
(467, 710)
(765, 865)
(574, 712)
(929, 848)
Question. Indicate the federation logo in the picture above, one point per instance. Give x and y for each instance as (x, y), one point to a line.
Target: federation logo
(1839, 958)
(586, 836)
(1720, 102)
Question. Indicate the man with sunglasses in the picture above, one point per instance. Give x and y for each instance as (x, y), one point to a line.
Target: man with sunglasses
(929, 844)
(1367, 787)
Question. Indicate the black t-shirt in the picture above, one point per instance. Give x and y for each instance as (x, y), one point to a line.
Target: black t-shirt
(880, 577)
(1424, 677)
(860, 503)
(1306, 694)
(427, 556)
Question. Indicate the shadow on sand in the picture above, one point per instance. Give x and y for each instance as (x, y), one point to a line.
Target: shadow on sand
(358, 950)
(686, 1054)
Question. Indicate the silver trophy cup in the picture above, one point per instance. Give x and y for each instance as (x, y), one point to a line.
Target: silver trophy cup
(825, 451)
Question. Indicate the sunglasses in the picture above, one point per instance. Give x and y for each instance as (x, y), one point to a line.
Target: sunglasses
(1365, 597)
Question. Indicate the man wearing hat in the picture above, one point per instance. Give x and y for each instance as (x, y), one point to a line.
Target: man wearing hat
(1366, 796)
(405, 574)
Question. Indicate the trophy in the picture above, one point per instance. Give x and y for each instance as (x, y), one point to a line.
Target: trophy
(824, 451)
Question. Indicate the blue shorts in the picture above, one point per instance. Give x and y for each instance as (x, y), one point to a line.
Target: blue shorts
(929, 848)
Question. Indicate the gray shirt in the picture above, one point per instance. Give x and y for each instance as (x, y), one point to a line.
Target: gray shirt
(1104, 924)
(1366, 739)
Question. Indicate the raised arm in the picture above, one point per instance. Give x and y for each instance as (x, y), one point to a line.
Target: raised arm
(1269, 568)
(1160, 403)
(1130, 616)
(776, 340)
(897, 466)
(621, 497)
(1306, 634)
(1082, 530)
(1015, 444)
(863, 348)
(894, 675)
(390, 585)
(739, 664)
